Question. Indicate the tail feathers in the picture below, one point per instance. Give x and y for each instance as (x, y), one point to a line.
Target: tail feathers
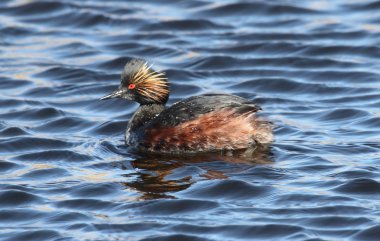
(263, 132)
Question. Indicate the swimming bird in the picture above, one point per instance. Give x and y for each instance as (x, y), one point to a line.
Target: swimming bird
(202, 123)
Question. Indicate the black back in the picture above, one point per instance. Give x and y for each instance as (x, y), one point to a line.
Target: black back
(191, 108)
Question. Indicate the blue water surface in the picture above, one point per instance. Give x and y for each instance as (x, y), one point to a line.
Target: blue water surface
(313, 66)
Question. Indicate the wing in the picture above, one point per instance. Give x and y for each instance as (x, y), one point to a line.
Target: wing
(193, 107)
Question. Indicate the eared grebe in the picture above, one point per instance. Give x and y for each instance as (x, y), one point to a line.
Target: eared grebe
(204, 123)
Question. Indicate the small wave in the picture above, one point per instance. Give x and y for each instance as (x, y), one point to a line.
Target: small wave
(66, 217)
(66, 124)
(170, 207)
(54, 155)
(367, 51)
(364, 6)
(48, 173)
(184, 25)
(37, 235)
(12, 83)
(15, 198)
(12, 132)
(7, 166)
(86, 204)
(176, 237)
(259, 8)
(369, 234)
(242, 190)
(68, 74)
(362, 186)
(32, 143)
(35, 8)
(339, 115)
(110, 128)
(20, 215)
(95, 190)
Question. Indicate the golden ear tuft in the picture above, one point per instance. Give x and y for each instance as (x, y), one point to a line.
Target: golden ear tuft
(151, 84)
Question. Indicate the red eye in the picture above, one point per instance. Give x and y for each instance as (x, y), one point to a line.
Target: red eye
(131, 86)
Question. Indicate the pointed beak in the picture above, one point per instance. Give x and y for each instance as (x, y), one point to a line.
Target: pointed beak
(116, 94)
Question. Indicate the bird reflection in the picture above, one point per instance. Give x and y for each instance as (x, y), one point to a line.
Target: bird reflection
(159, 175)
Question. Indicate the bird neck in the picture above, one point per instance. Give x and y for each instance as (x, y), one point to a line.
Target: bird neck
(143, 115)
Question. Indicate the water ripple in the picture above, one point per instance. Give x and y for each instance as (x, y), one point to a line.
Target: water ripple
(312, 66)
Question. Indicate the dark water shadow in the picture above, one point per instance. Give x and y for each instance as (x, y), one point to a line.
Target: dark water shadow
(157, 175)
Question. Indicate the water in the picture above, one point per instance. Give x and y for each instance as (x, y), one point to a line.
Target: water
(312, 65)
